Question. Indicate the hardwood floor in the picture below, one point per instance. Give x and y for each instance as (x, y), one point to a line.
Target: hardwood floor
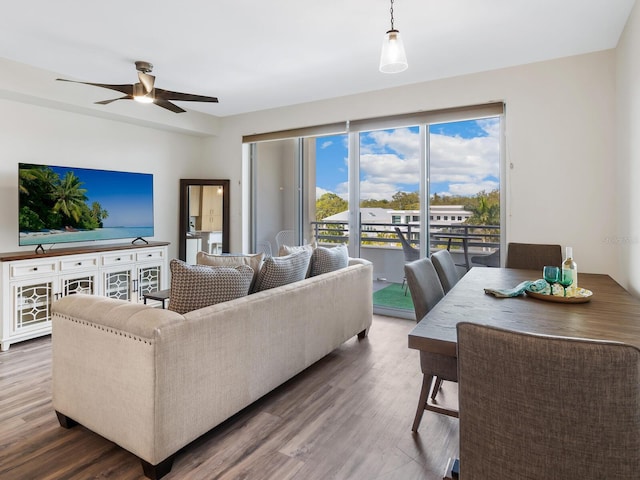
(348, 416)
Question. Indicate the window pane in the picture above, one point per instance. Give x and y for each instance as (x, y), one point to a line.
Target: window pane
(390, 207)
(465, 184)
(331, 190)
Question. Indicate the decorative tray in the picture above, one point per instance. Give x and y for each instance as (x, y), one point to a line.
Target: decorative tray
(581, 296)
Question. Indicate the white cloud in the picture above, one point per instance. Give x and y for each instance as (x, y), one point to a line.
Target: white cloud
(342, 190)
(401, 140)
(326, 144)
(388, 167)
(391, 160)
(472, 188)
(465, 163)
(377, 190)
(321, 191)
(471, 158)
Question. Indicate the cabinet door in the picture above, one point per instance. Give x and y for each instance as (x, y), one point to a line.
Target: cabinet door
(149, 280)
(32, 304)
(211, 211)
(117, 283)
(78, 283)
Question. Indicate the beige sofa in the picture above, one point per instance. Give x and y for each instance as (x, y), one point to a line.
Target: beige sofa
(152, 380)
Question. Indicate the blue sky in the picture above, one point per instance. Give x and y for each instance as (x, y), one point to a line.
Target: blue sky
(128, 197)
(464, 160)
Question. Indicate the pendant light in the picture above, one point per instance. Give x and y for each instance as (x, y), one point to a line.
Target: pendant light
(393, 59)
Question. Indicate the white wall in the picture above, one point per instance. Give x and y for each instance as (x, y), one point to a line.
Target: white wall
(30, 133)
(560, 144)
(562, 137)
(626, 239)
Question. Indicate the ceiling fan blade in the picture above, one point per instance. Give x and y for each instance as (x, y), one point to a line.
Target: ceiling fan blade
(127, 89)
(147, 81)
(184, 97)
(168, 105)
(107, 102)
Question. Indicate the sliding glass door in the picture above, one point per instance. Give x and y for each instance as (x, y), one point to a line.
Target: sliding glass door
(464, 190)
(389, 189)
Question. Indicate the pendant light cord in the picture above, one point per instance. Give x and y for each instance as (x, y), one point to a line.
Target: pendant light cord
(391, 11)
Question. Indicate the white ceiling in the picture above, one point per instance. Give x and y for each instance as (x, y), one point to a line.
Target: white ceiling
(255, 55)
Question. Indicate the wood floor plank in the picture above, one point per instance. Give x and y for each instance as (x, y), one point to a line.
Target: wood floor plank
(348, 416)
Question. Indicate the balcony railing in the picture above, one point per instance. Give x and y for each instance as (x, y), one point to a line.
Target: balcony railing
(479, 238)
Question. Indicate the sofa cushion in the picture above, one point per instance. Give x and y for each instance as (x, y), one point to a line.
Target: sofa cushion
(277, 271)
(325, 260)
(289, 249)
(254, 261)
(197, 286)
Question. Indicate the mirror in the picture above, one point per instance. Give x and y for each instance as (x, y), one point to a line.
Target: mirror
(204, 218)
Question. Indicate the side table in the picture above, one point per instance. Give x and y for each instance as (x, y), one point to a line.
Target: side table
(160, 296)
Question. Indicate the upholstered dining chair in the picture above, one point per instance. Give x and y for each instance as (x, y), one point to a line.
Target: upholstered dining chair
(533, 256)
(426, 292)
(541, 407)
(446, 268)
(491, 260)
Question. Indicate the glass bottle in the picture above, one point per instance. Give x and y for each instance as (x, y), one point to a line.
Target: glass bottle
(570, 265)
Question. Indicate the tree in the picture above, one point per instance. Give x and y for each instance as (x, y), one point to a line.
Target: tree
(69, 198)
(98, 213)
(485, 208)
(371, 203)
(405, 201)
(330, 204)
(46, 201)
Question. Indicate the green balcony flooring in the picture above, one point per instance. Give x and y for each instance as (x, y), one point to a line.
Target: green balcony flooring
(393, 296)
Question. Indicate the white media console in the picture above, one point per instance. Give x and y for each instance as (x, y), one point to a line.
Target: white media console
(31, 282)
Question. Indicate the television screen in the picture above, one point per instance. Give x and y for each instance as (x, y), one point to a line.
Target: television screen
(64, 204)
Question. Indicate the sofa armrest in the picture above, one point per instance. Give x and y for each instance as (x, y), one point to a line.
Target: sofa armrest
(358, 261)
(108, 360)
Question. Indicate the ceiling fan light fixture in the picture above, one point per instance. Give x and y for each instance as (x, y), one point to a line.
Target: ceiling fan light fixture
(141, 95)
(145, 92)
(393, 59)
(143, 99)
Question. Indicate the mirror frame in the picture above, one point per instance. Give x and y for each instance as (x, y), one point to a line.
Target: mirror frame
(183, 226)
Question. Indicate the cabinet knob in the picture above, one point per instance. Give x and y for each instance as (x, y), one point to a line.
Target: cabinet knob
(35, 269)
(118, 259)
(79, 263)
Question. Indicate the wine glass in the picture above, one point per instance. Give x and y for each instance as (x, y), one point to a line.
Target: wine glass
(566, 279)
(551, 275)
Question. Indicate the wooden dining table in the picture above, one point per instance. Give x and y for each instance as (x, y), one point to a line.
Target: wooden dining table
(611, 314)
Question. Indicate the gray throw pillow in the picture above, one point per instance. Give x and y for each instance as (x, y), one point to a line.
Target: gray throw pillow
(198, 286)
(277, 271)
(325, 260)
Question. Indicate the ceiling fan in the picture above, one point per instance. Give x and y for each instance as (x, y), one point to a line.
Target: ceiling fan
(145, 92)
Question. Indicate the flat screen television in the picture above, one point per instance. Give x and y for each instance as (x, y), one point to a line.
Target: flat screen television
(69, 204)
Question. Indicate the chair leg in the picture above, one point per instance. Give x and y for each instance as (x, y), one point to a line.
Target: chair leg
(436, 388)
(424, 394)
